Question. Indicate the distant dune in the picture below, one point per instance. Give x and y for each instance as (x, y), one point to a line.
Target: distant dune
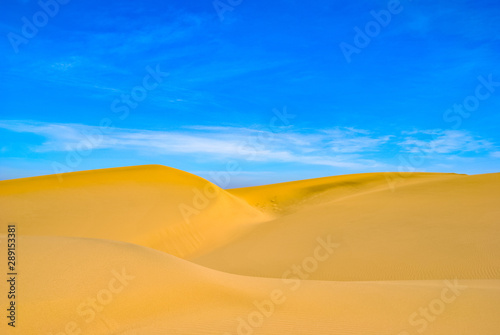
(154, 250)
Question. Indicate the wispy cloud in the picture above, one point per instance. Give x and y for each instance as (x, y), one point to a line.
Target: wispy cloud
(312, 148)
(348, 148)
(350, 140)
(444, 142)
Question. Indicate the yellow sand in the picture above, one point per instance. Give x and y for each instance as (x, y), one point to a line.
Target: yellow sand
(154, 250)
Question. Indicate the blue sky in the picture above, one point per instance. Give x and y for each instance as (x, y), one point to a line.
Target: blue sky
(277, 91)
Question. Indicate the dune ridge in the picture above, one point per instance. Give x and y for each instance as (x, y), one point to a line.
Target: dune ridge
(442, 226)
(154, 206)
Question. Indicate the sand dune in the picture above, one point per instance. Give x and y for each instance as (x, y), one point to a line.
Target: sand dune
(441, 226)
(154, 206)
(154, 250)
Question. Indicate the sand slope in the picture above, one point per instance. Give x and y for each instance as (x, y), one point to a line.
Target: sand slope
(441, 226)
(111, 252)
(136, 290)
(154, 206)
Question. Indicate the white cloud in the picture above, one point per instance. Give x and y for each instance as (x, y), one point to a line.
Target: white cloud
(444, 142)
(328, 148)
(350, 140)
(342, 147)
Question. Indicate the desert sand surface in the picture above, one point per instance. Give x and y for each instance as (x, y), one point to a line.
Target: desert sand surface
(155, 250)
